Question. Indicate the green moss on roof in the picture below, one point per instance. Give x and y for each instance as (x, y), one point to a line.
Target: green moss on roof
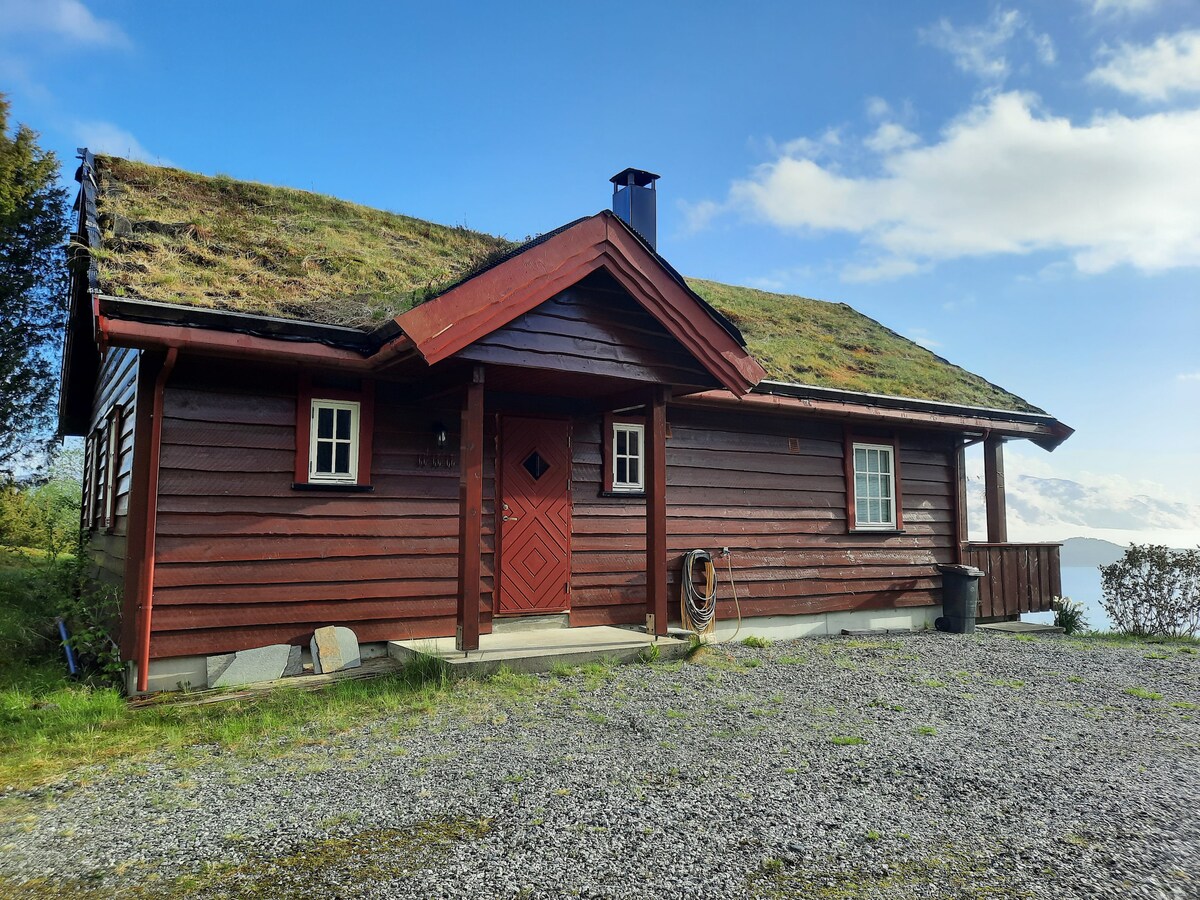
(219, 243)
(813, 342)
(178, 237)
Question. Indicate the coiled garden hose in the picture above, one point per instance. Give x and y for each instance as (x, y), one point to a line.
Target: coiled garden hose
(698, 611)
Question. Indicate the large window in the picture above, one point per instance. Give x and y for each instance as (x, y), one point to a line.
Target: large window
(873, 501)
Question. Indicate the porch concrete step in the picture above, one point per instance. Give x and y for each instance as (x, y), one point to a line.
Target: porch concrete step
(513, 624)
(541, 650)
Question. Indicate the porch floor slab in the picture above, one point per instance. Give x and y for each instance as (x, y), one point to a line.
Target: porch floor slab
(541, 650)
(1021, 628)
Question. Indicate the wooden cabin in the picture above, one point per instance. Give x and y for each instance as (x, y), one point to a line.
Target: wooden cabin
(300, 412)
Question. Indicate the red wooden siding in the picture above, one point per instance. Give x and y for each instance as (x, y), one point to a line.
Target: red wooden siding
(772, 489)
(593, 328)
(243, 559)
(1020, 577)
(116, 386)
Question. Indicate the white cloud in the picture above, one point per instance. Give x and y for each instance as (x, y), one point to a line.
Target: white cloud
(1120, 7)
(1005, 179)
(923, 337)
(889, 137)
(878, 108)
(1044, 47)
(827, 143)
(881, 270)
(781, 280)
(697, 216)
(67, 20)
(1169, 66)
(1188, 376)
(105, 137)
(981, 50)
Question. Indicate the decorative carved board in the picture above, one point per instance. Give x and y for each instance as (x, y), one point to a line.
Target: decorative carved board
(535, 516)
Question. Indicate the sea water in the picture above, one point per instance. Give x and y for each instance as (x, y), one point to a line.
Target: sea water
(1080, 583)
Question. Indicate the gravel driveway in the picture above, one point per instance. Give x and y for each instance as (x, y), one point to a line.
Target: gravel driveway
(921, 766)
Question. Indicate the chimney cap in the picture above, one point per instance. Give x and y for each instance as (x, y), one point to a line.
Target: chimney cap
(637, 177)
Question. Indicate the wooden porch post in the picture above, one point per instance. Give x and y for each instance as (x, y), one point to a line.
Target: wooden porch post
(656, 513)
(993, 489)
(470, 514)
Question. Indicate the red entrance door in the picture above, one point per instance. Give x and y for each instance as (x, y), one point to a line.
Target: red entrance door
(535, 516)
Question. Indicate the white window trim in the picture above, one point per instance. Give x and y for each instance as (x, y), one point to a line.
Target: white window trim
(350, 477)
(630, 487)
(891, 524)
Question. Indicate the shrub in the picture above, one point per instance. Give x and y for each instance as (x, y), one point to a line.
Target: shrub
(92, 613)
(1068, 615)
(1153, 590)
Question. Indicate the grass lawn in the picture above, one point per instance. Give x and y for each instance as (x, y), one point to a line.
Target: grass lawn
(51, 725)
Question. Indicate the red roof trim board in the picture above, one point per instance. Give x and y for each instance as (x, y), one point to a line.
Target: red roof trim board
(479, 306)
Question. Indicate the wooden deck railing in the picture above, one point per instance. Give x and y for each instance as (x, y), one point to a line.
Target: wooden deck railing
(1020, 577)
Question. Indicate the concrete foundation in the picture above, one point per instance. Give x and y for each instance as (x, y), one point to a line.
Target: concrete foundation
(190, 673)
(552, 644)
(782, 628)
(541, 651)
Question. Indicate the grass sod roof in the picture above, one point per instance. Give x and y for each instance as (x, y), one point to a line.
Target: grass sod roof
(219, 243)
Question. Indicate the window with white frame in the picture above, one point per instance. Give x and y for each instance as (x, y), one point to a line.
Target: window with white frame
(111, 459)
(874, 486)
(628, 455)
(333, 442)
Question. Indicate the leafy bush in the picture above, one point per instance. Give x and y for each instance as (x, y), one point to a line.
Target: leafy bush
(1153, 590)
(1068, 615)
(44, 514)
(27, 612)
(92, 613)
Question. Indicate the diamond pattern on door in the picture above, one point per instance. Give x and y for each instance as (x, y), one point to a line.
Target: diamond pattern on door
(535, 516)
(535, 465)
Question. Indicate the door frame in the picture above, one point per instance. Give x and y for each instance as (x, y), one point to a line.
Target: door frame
(499, 513)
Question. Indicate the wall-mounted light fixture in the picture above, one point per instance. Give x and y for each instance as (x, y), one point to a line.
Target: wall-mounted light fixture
(438, 457)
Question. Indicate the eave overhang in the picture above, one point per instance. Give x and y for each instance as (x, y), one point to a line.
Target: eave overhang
(885, 410)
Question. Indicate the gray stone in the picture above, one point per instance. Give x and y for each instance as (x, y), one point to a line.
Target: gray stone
(295, 663)
(248, 666)
(217, 666)
(334, 648)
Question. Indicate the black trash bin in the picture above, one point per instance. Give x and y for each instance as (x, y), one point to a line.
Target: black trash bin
(960, 599)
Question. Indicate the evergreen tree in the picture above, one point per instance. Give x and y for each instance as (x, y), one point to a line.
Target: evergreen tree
(33, 278)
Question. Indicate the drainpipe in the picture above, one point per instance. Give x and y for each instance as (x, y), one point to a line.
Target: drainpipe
(146, 581)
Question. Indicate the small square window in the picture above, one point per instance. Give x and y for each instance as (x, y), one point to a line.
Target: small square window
(333, 442)
(627, 457)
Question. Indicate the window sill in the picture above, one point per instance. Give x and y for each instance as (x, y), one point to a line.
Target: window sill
(332, 487)
(630, 495)
(877, 531)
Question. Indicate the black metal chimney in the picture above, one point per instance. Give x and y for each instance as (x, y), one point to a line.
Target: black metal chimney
(635, 201)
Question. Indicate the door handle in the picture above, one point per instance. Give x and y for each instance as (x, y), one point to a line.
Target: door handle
(509, 519)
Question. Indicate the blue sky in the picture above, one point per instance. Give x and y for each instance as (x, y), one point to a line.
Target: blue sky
(1014, 185)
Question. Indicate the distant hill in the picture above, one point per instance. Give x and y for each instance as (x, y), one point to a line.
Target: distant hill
(1090, 552)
